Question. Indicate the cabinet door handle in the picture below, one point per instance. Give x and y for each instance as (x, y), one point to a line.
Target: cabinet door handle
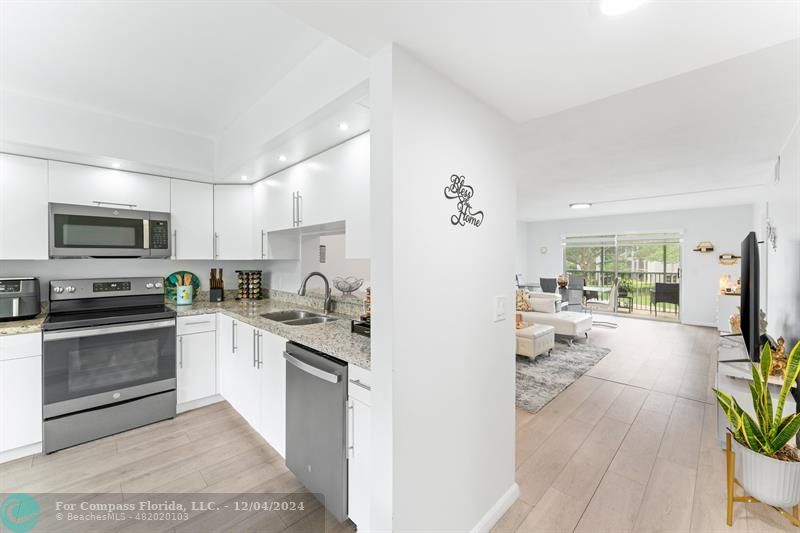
(359, 383)
(294, 209)
(216, 248)
(299, 209)
(196, 322)
(233, 336)
(351, 448)
(180, 340)
(262, 243)
(260, 349)
(175, 243)
(255, 349)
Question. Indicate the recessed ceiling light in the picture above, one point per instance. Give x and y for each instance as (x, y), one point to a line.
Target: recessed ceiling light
(244, 178)
(580, 205)
(115, 165)
(344, 126)
(281, 158)
(612, 8)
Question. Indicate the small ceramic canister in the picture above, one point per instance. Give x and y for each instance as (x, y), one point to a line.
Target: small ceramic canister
(183, 294)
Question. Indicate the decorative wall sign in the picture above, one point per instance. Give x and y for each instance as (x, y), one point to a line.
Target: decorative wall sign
(457, 190)
(704, 247)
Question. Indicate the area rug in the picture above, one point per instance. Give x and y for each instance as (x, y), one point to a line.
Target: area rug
(540, 380)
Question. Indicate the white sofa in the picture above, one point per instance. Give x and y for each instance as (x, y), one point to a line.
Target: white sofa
(535, 340)
(547, 310)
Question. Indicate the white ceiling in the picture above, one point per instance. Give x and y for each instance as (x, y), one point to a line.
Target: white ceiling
(720, 127)
(529, 59)
(187, 66)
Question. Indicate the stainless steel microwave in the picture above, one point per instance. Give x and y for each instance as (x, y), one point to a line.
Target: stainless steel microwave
(85, 231)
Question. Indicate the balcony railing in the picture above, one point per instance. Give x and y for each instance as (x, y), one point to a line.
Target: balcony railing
(640, 295)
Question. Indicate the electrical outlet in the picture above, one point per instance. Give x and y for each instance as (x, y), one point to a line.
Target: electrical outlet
(499, 308)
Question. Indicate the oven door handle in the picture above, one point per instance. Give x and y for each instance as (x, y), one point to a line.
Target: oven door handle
(105, 330)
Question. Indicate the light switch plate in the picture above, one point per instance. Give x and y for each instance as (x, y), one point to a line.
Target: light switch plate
(499, 308)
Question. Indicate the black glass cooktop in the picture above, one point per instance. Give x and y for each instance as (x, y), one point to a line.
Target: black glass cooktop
(78, 319)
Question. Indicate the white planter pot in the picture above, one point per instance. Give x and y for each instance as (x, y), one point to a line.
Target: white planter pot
(769, 480)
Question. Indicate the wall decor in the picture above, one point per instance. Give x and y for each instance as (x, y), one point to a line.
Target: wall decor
(704, 247)
(458, 190)
(772, 235)
(729, 259)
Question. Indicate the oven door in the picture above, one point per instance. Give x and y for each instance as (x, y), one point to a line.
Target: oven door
(82, 231)
(85, 368)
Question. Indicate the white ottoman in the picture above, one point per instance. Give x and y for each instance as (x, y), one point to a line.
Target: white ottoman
(567, 323)
(535, 340)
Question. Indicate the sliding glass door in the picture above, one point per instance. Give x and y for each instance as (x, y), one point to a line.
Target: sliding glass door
(648, 266)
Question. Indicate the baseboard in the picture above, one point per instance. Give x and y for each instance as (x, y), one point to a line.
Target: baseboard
(488, 521)
(195, 404)
(22, 451)
(696, 323)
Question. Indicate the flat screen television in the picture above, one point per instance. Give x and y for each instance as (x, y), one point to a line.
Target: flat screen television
(750, 296)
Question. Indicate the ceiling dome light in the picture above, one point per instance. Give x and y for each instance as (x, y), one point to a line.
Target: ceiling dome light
(612, 8)
(281, 158)
(244, 178)
(344, 126)
(115, 165)
(580, 205)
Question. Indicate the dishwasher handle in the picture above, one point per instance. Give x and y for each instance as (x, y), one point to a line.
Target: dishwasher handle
(310, 369)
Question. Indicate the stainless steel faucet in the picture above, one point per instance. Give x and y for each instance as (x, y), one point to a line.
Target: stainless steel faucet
(302, 291)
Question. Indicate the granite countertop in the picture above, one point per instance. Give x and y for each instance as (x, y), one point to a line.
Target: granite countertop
(31, 325)
(332, 338)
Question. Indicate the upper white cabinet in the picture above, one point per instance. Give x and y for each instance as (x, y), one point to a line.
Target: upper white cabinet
(23, 207)
(192, 209)
(233, 222)
(330, 187)
(85, 185)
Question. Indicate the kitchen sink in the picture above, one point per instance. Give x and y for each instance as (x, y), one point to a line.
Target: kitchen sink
(293, 314)
(296, 317)
(309, 321)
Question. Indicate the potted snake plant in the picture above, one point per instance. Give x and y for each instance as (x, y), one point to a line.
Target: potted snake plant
(769, 468)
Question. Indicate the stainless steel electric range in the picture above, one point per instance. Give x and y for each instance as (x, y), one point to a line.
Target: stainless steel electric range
(108, 360)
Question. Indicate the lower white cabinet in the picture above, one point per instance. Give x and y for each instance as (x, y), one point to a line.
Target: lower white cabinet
(197, 366)
(20, 393)
(272, 384)
(359, 437)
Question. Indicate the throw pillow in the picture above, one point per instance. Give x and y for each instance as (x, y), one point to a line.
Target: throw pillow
(523, 300)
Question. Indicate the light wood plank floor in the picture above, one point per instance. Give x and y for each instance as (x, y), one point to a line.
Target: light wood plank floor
(208, 450)
(631, 446)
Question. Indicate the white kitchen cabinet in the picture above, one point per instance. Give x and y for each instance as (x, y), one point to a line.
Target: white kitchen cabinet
(192, 216)
(355, 198)
(233, 222)
(277, 193)
(359, 437)
(197, 366)
(226, 338)
(235, 356)
(272, 382)
(20, 394)
(86, 185)
(23, 208)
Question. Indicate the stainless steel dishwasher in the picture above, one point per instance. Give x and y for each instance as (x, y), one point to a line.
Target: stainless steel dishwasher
(316, 423)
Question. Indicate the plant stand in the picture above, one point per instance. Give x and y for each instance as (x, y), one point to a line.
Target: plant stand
(730, 458)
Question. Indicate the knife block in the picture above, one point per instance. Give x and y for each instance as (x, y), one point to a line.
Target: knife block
(216, 295)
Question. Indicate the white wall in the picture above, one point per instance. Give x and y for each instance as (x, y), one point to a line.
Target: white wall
(281, 275)
(46, 128)
(723, 226)
(451, 386)
(521, 247)
(780, 268)
(336, 265)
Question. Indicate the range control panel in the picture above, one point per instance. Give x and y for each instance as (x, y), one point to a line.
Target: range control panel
(71, 289)
(111, 286)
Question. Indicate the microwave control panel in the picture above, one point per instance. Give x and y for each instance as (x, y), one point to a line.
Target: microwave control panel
(159, 235)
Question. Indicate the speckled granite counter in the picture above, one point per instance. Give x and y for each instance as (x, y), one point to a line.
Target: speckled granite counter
(31, 325)
(333, 338)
